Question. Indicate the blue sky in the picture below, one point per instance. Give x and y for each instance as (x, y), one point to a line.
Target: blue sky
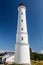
(8, 23)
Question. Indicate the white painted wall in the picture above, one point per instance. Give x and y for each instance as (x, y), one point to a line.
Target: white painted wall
(22, 33)
(19, 40)
(22, 53)
(21, 17)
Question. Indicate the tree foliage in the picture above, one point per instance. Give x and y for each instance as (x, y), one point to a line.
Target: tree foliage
(35, 56)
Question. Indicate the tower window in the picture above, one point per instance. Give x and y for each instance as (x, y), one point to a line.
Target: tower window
(21, 38)
(21, 28)
(22, 20)
(22, 13)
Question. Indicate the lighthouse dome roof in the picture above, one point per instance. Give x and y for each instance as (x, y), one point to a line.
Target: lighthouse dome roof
(21, 4)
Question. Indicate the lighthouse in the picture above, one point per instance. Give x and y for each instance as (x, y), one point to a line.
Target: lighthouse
(22, 52)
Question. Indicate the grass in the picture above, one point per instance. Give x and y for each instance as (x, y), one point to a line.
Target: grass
(36, 62)
(33, 62)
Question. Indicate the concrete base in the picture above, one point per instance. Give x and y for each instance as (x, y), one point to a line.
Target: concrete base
(22, 64)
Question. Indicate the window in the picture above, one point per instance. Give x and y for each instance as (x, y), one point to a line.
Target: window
(22, 13)
(22, 38)
(21, 28)
(22, 20)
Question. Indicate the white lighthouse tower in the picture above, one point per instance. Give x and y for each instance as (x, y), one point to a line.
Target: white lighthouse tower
(22, 52)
